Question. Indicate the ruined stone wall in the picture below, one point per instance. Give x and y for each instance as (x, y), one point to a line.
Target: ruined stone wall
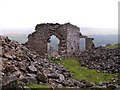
(89, 43)
(72, 40)
(68, 34)
(38, 40)
(63, 40)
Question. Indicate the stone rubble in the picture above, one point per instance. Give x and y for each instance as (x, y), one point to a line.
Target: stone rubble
(20, 66)
(103, 59)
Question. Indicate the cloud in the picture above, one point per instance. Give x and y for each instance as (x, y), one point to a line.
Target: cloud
(83, 13)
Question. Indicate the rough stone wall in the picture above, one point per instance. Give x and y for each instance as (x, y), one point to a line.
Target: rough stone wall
(68, 34)
(63, 40)
(89, 43)
(38, 40)
(72, 40)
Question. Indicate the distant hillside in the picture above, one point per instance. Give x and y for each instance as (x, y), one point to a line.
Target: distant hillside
(102, 36)
(99, 40)
(113, 46)
(21, 38)
(98, 31)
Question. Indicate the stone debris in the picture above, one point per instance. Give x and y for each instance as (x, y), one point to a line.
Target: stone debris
(20, 66)
(41, 77)
(102, 59)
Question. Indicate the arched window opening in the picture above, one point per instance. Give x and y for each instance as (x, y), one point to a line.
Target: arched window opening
(53, 46)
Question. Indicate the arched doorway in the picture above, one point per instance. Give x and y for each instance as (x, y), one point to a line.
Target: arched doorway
(53, 46)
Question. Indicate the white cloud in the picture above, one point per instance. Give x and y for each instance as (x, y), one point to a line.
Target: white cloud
(83, 13)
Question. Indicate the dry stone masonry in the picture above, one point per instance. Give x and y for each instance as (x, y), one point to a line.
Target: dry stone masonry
(68, 34)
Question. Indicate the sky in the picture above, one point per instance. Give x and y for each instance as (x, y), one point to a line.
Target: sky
(22, 15)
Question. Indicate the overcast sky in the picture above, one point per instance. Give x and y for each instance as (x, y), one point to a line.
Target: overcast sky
(19, 15)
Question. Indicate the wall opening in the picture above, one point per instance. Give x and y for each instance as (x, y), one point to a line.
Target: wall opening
(53, 46)
(82, 44)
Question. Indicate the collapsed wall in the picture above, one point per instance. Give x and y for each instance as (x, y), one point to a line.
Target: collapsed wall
(68, 35)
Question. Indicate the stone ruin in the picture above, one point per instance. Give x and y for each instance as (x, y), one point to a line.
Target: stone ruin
(69, 36)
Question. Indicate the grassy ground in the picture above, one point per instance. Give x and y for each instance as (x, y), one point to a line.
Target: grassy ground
(114, 46)
(80, 73)
(34, 86)
(83, 73)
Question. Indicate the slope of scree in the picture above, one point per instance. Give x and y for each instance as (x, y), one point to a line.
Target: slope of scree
(101, 58)
(20, 67)
(21, 64)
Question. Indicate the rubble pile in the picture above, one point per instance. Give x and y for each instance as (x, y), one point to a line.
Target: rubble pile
(101, 58)
(19, 67)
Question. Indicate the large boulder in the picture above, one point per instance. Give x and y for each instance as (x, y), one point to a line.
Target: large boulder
(41, 77)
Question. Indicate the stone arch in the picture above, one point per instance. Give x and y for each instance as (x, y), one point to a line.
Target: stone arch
(53, 46)
(67, 33)
(39, 39)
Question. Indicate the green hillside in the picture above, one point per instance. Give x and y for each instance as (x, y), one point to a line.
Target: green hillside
(113, 46)
(83, 73)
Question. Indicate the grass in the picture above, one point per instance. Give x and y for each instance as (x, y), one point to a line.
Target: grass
(83, 73)
(79, 73)
(114, 46)
(35, 86)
